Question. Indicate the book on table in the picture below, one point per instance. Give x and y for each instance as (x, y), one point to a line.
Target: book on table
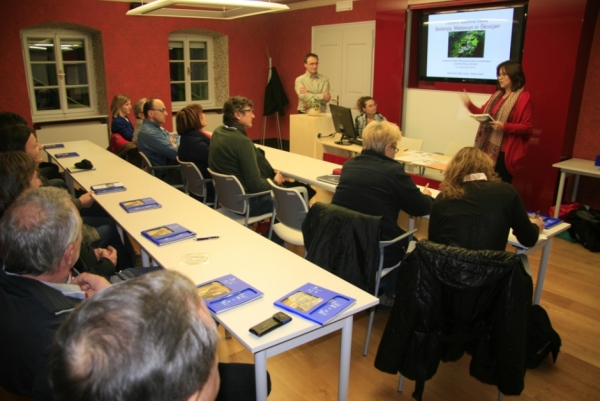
(548, 221)
(226, 293)
(54, 146)
(108, 187)
(482, 118)
(65, 155)
(168, 234)
(74, 170)
(315, 303)
(330, 178)
(138, 205)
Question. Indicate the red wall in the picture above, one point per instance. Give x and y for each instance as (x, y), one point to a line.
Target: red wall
(557, 44)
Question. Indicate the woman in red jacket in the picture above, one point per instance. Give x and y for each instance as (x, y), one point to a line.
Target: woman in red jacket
(505, 139)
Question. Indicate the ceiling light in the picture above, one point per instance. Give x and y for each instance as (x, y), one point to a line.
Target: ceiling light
(209, 9)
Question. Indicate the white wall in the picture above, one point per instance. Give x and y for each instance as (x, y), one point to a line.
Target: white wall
(439, 117)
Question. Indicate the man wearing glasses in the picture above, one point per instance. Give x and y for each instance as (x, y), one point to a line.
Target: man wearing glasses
(153, 140)
(311, 86)
(232, 152)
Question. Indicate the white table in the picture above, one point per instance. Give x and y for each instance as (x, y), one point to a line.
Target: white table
(239, 251)
(576, 167)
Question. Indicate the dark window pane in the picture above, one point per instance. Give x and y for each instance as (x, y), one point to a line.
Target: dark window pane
(199, 71)
(41, 49)
(75, 74)
(176, 72)
(78, 97)
(199, 91)
(72, 49)
(197, 50)
(47, 99)
(44, 74)
(178, 92)
(175, 50)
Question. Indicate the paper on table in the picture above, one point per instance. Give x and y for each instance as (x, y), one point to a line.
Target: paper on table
(514, 241)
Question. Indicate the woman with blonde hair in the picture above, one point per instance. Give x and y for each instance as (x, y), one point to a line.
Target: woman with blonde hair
(475, 210)
(119, 110)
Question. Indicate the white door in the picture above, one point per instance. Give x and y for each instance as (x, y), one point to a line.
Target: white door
(346, 57)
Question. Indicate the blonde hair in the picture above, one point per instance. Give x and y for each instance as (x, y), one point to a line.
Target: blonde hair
(118, 102)
(467, 161)
(378, 134)
(138, 108)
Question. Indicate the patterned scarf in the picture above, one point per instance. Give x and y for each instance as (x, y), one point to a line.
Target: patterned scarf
(487, 138)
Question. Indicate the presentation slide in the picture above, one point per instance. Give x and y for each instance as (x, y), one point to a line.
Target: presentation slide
(468, 45)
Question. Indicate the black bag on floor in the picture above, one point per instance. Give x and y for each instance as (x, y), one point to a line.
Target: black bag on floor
(585, 227)
(542, 338)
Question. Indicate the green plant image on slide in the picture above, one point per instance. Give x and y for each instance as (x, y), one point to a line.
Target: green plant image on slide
(466, 44)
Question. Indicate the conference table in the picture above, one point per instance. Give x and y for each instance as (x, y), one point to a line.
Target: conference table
(294, 164)
(239, 251)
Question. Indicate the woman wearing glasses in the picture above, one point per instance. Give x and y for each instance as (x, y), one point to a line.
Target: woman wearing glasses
(368, 108)
(373, 183)
(506, 138)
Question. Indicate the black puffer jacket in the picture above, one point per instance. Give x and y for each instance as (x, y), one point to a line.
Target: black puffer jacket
(450, 300)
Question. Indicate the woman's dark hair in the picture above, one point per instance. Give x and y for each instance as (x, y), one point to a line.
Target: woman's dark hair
(361, 103)
(232, 105)
(514, 72)
(16, 170)
(10, 118)
(188, 119)
(14, 137)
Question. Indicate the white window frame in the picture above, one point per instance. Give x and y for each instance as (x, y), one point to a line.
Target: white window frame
(64, 112)
(186, 39)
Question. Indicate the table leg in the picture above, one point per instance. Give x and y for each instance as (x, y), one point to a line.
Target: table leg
(561, 187)
(539, 284)
(145, 258)
(575, 188)
(70, 185)
(346, 349)
(260, 373)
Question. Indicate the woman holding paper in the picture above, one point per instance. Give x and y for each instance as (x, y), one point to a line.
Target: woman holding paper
(476, 211)
(505, 139)
(368, 108)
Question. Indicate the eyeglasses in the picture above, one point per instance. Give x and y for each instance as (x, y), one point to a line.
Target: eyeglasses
(249, 110)
(161, 110)
(396, 150)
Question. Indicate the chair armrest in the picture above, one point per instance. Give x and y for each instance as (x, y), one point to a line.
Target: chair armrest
(248, 196)
(383, 244)
(164, 167)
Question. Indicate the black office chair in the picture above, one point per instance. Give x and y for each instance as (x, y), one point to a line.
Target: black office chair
(450, 300)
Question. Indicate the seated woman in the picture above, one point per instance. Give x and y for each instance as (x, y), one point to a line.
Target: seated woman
(368, 108)
(195, 143)
(119, 110)
(374, 183)
(475, 210)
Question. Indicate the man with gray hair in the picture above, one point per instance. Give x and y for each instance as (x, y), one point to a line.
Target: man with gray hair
(40, 237)
(161, 346)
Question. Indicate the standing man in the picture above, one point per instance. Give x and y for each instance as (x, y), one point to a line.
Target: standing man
(153, 140)
(312, 85)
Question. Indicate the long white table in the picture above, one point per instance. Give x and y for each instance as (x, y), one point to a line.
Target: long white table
(306, 169)
(576, 167)
(239, 251)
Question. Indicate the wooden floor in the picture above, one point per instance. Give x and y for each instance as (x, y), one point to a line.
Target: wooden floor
(571, 296)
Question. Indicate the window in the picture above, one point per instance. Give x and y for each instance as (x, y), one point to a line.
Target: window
(60, 73)
(191, 73)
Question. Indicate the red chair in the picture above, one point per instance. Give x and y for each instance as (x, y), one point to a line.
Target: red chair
(116, 141)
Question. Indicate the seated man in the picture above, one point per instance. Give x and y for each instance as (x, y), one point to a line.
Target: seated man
(374, 183)
(153, 140)
(232, 152)
(41, 237)
(162, 346)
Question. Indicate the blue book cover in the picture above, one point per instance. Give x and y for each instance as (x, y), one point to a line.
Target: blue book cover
(315, 303)
(54, 146)
(65, 155)
(548, 221)
(167, 234)
(226, 293)
(137, 205)
(108, 188)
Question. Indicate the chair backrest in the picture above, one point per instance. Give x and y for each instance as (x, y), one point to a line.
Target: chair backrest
(291, 205)
(410, 143)
(453, 148)
(230, 192)
(195, 182)
(146, 165)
